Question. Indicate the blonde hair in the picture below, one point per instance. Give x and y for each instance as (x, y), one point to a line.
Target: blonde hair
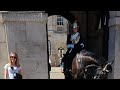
(16, 62)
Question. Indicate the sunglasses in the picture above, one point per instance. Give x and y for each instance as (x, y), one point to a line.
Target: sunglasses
(13, 57)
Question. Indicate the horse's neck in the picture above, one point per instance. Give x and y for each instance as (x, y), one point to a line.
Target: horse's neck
(75, 67)
(79, 62)
(75, 63)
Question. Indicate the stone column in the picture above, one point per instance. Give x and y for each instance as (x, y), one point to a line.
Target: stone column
(114, 43)
(25, 33)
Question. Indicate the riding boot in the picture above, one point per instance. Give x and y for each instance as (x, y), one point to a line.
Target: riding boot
(67, 62)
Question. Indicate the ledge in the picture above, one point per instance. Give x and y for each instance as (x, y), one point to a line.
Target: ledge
(114, 14)
(114, 21)
(27, 16)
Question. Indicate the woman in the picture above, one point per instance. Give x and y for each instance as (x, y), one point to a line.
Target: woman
(13, 69)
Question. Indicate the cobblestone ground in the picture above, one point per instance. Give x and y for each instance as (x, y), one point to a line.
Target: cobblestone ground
(56, 73)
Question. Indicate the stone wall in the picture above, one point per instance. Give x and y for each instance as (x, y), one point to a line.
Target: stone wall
(25, 33)
(114, 43)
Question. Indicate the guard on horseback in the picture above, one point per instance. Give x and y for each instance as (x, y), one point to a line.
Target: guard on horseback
(74, 45)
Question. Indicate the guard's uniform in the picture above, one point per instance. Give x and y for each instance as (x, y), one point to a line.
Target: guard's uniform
(74, 45)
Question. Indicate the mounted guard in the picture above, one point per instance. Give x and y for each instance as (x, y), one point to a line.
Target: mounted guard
(74, 45)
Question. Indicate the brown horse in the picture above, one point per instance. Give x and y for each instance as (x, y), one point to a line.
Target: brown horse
(79, 63)
(86, 65)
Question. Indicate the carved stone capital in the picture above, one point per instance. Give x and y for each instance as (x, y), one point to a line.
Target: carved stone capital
(23, 16)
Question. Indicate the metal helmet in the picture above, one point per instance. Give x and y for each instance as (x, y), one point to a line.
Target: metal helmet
(75, 25)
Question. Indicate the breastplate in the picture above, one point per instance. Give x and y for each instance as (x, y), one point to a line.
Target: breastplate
(76, 40)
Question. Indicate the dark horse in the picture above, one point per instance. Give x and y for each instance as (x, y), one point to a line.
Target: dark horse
(86, 65)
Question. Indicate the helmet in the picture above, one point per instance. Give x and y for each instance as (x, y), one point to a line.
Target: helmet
(75, 25)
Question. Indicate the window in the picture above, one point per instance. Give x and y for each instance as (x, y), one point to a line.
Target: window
(60, 20)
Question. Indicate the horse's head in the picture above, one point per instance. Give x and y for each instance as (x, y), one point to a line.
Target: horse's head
(103, 72)
(108, 67)
(90, 71)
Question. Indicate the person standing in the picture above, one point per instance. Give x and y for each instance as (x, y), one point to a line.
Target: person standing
(12, 69)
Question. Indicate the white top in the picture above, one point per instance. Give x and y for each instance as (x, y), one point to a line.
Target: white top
(12, 72)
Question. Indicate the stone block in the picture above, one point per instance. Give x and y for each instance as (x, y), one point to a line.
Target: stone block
(28, 66)
(114, 14)
(3, 51)
(10, 26)
(2, 64)
(2, 33)
(32, 70)
(40, 66)
(31, 51)
(3, 58)
(39, 75)
(114, 21)
(25, 50)
(36, 32)
(117, 55)
(20, 25)
(24, 16)
(114, 49)
(20, 36)
(11, 41)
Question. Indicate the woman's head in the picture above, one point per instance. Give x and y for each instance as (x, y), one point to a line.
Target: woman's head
(13, 59)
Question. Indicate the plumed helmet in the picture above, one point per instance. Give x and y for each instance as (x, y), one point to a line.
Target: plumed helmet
(75, 25)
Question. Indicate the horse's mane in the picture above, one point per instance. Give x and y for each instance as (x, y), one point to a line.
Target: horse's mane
(88, 53)
(92, 57)
(89, 58)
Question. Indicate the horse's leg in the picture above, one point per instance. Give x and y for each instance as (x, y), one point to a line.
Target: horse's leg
(80, 76)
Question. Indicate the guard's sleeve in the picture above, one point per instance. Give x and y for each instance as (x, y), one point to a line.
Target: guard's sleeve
(68, 39)
(69, 42)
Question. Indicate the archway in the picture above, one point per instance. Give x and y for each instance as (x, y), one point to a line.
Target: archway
(94, 33)
(66, 14)
(58, 28)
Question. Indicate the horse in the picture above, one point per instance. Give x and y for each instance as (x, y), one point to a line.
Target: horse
(86, 65)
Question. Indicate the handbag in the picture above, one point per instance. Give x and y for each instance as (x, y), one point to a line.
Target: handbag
(16, 75)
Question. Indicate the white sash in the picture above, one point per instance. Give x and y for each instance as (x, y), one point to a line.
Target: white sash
(74, 36)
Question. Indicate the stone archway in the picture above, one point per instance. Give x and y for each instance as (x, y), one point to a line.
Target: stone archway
(89, 23)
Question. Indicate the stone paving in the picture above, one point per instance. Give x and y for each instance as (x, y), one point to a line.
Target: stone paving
(56, 73)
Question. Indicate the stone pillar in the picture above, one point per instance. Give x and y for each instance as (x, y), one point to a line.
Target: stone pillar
(114, 43)
(25, 33)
